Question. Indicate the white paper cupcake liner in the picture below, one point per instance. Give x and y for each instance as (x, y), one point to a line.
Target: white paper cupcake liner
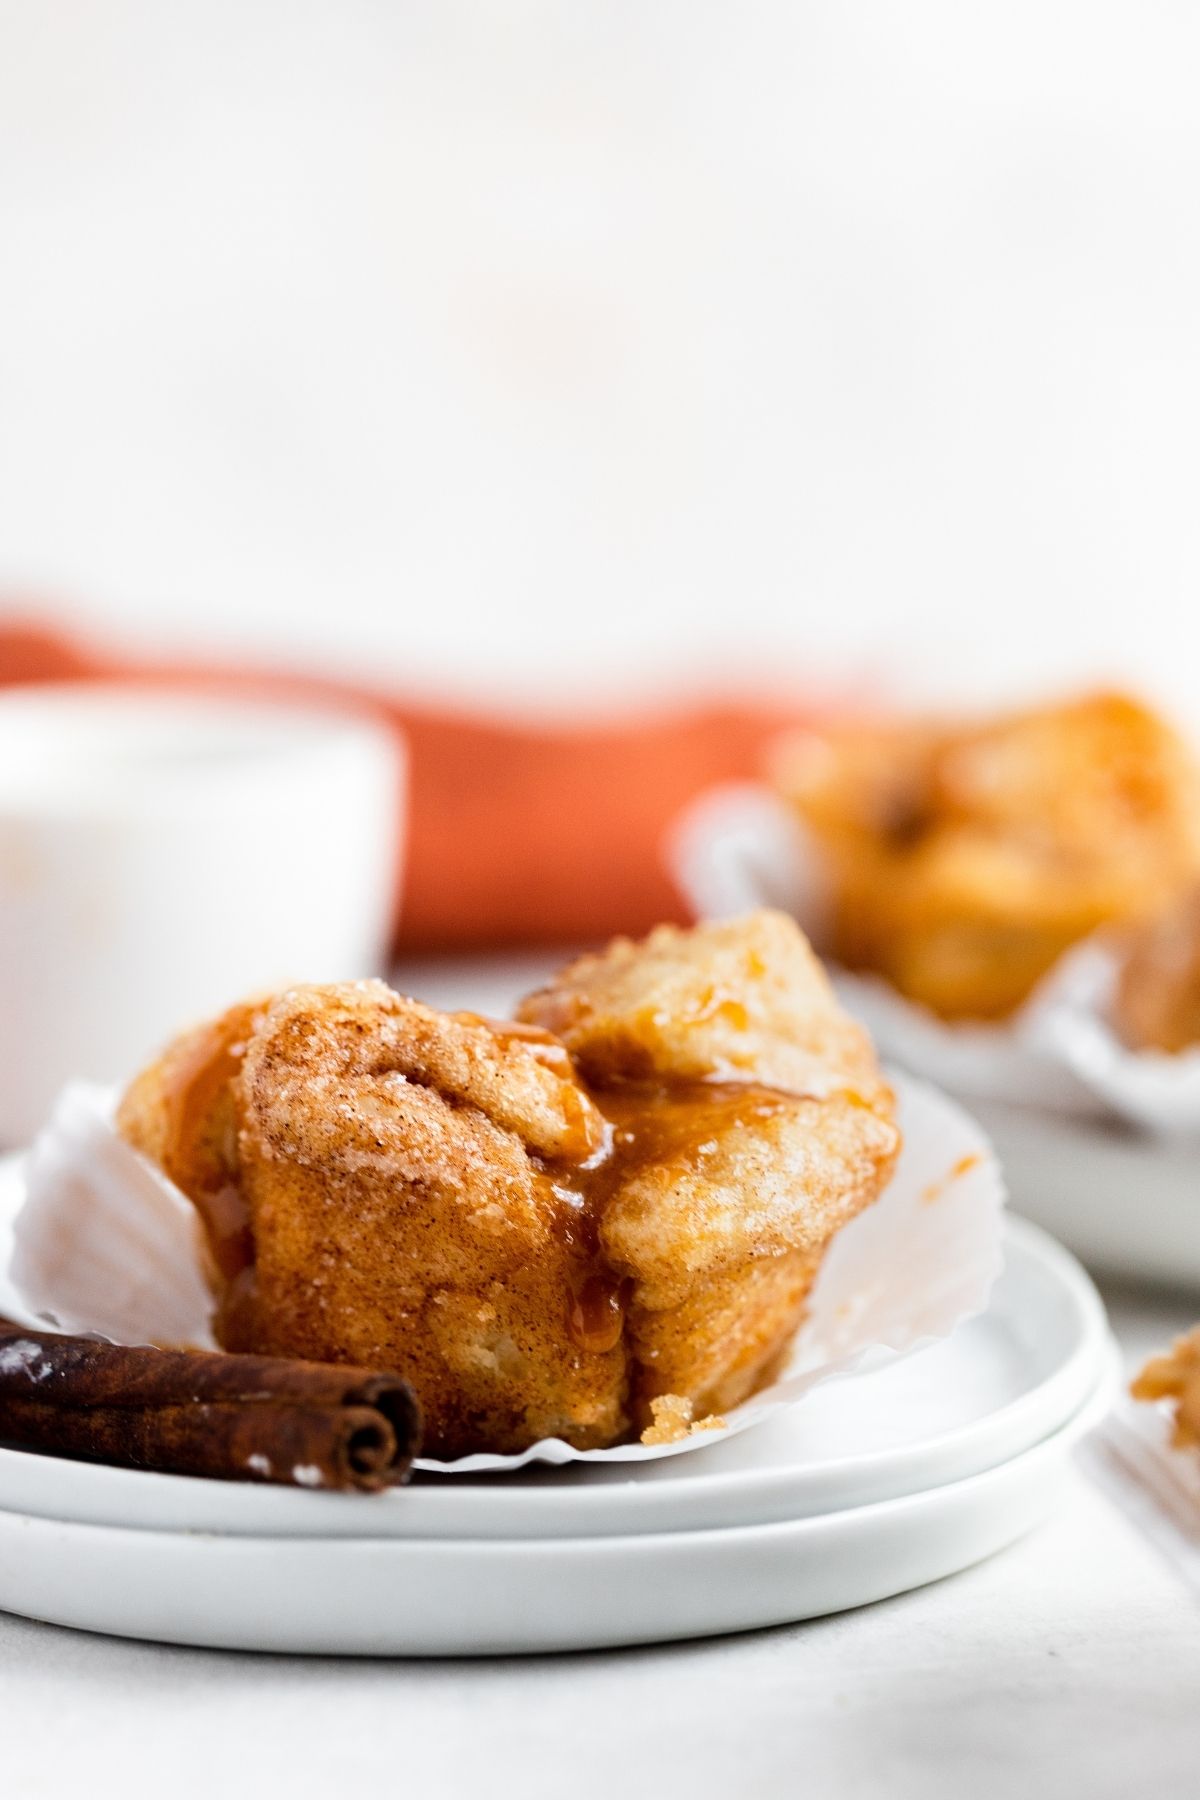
(105, 1243)
(740, 846)
(1070, 1017)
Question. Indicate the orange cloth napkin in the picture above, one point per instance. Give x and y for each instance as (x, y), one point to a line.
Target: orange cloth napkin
(517, 834)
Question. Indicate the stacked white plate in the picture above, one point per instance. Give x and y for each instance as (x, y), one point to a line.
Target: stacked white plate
(874, 1484)
(1126, 1202)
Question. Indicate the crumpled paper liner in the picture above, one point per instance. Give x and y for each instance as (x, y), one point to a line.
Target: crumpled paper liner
(1070, 1018)
(106, 1243)
(740, 846)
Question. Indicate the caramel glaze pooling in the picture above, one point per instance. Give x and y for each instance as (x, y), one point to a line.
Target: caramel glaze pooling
(646, 1122)
(649, 1122)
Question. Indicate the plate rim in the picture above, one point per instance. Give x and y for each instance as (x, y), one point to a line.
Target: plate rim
(1083, 1419)
(533, 1509)
(412, 1598)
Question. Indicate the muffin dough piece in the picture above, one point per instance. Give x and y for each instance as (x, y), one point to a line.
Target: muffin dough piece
(772, 1129)
(392, 1166)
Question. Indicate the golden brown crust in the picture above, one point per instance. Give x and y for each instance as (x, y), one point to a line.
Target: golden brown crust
(403, 1216)
(966, 860)
(739, 998)
(537, 1254)
(390, 1163)
(722, 1240)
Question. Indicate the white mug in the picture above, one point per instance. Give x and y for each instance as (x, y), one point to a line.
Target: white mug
(163, 855)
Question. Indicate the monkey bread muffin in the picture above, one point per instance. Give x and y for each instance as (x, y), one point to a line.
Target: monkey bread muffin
(607, 1211)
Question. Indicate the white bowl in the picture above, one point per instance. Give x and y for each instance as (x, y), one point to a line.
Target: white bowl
(162, 855)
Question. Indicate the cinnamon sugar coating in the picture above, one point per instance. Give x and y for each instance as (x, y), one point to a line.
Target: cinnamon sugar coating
(540, 1233)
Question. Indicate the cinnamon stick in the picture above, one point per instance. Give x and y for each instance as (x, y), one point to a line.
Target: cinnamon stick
(197, 1412)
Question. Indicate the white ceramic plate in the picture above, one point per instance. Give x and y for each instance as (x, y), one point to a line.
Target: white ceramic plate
(1003, 1382)
(393, 1596)
(1128, 1204)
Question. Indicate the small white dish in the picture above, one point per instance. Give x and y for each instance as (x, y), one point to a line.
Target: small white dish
(478, 1597)
(1003, 1382)
(164, 854)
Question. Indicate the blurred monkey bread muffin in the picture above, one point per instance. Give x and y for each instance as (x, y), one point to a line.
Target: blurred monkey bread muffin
(619, 1199)
(964, 859)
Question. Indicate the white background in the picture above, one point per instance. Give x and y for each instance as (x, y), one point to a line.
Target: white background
(546, 352)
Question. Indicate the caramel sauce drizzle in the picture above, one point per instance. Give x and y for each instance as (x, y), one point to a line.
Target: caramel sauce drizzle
(647, 1123)
(651, 1123)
